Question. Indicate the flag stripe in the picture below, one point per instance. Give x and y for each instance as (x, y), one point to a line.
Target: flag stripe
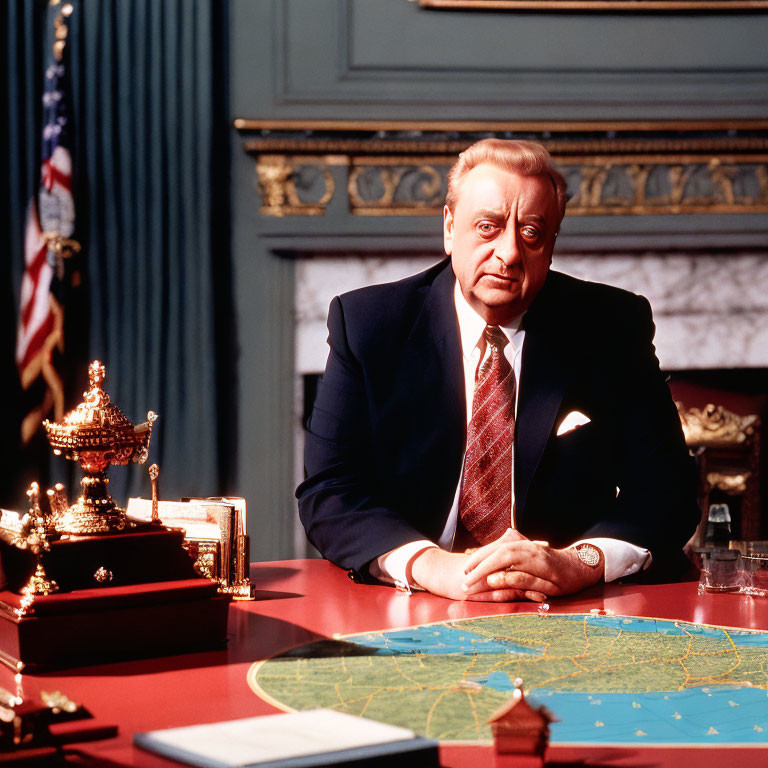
(33, 275)
(37, 341)
(51, 211)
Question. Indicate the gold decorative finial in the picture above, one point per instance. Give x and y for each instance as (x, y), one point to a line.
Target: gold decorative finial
(96, 374)
(35, 538)
(154, 471)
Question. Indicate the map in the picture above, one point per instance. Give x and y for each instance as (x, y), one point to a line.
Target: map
(609, 679)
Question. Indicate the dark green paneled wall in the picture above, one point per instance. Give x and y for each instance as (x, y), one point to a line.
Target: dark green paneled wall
(369, 59)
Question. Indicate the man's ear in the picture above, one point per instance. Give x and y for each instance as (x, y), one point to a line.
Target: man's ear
(447, 230)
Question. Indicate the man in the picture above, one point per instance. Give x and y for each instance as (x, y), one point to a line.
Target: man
(491, 429)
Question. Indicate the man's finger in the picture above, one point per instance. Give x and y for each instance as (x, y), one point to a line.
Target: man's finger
(514, 554)
(480, 553)
(522, 581)
(497, 596)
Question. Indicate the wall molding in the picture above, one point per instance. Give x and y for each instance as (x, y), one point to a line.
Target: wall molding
(398, 168)
(621, 6)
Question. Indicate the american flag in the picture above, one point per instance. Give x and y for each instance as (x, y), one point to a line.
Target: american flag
(49, 227)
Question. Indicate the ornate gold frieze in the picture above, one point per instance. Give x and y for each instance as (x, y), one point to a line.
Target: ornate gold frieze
(622, 168)
(295, 186)
(715, 425)
(385, 186)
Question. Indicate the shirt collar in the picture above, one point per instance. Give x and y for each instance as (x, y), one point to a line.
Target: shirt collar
(471, 325)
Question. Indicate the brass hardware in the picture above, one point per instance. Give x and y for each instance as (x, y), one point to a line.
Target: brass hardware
(102, 575)
(154, 471)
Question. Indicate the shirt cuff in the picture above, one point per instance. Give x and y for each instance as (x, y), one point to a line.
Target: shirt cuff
(392, 566)
(621, 557)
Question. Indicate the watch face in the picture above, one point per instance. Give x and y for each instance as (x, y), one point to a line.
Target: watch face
(589, 555)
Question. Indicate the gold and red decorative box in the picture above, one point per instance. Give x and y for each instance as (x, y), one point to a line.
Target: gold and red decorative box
(84, 583)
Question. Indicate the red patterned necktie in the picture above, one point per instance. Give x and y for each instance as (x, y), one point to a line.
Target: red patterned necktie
(485, 500)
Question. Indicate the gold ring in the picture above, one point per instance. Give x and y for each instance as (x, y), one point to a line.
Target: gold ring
(509, 569)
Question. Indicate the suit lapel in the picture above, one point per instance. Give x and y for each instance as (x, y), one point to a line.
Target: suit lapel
(433, 355)
(434, 341)
(543, 383)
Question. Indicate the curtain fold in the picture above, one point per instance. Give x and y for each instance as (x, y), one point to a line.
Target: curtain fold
(143, 120)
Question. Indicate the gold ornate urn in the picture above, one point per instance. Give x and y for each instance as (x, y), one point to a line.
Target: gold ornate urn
(96, 434)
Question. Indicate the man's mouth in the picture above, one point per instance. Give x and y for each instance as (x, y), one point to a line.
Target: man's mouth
(502, 278)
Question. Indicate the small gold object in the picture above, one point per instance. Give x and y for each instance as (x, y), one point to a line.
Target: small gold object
(715, 425)
(102, 575)
(34, 537)
(154, 471)
(58, 702)
(97, 434)
(57, 503)
(733, 484)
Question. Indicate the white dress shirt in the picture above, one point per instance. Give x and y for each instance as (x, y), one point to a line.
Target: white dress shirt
(621, 557)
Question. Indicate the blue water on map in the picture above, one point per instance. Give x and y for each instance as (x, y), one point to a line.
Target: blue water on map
(714, 715)
(743, 637)
(709, 715)
(437, 639)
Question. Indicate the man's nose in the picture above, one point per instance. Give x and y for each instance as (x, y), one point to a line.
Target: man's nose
(507, 247)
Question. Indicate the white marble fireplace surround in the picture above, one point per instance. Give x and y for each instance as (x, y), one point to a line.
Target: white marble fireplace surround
(711, 310)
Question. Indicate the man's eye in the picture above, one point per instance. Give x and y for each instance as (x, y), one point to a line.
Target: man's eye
(486, 228)
(530, 233)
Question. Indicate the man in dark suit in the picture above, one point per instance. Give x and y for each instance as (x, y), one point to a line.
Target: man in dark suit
(491, 429)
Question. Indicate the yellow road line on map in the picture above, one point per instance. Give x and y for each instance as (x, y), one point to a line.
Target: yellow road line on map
(735, 650)
(474, 712)
(586, 637)
(613, 642)
(431, 712)
(370, 699)
(690, 643)
(402, 674)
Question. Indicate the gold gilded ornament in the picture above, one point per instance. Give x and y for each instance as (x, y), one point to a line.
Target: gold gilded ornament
(34, 537)
(97, 434)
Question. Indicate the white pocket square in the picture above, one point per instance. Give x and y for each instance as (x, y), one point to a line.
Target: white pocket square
(572, 421)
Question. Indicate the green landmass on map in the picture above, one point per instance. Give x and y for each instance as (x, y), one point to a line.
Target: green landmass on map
(448, 692)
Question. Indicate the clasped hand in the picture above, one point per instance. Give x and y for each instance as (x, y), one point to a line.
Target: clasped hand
(510, 568)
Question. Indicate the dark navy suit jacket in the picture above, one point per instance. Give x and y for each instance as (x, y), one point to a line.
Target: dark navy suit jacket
(386, 437)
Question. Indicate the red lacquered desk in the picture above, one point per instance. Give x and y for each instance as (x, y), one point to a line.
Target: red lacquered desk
(301, 601)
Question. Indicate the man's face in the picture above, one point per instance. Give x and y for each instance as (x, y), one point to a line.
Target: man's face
(500, 239)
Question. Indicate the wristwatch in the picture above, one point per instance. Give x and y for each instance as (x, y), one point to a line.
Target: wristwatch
(589, 555)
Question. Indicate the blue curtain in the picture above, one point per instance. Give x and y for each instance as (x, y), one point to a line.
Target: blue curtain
(149, 118)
